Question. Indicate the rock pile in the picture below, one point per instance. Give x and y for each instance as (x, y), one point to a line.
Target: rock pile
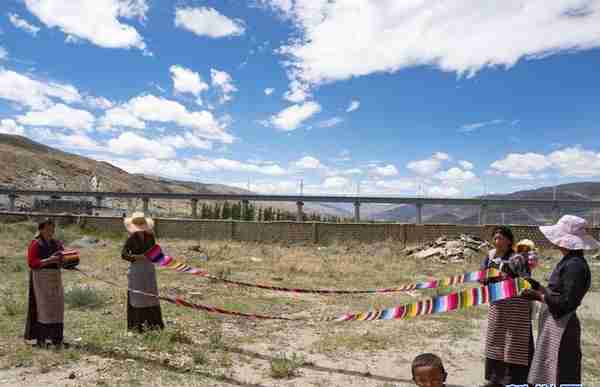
(444, 249)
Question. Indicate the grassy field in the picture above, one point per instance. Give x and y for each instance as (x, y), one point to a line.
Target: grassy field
(198, 349)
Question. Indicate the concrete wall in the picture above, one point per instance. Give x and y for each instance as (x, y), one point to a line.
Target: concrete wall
(322, 233)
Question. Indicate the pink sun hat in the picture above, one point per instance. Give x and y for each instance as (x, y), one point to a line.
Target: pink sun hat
(570, 233)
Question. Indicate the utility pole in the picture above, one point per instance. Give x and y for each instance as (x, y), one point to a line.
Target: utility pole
(301, 186)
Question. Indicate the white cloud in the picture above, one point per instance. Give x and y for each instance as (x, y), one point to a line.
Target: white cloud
(237, 166)
(390, 186)
(521, 166)
(3, 53)
(269, 187)
(455, 174)
(152, 166)
(204, 21)
(187, 140)
(308, 162)
(269, 90)
(22, 24)
(133, 145)
(348, 38)
(187, 81)
(282, 6)
(478, 125)
(120, 116)
(94, 20)
(223, 81)
(330, 123)
(576, 162)
(158, 109)
(98, 102)
(25, 91)
(59, 115)
(297, 93)
(351, 171)
(466, 165)
(354, 105)
(387, 170)
(66, 140)
(336, 182)
(443, 191)
(429, 166)
(293, 116)
(78, 141)
(8, 126)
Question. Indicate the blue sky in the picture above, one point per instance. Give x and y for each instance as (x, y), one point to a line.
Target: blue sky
(397, 98)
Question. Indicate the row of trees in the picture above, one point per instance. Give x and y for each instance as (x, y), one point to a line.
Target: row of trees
(236, 211)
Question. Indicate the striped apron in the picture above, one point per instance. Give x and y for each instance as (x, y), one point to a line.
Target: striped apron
(509, 325)
(508, 333)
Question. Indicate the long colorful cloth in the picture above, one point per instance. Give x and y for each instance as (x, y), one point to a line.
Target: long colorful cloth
(454, 301)
(156, 255)
(464, 299)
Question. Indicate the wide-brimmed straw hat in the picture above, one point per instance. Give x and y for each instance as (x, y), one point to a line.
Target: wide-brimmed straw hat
(138, 222)
(570, 233)
(526, 243)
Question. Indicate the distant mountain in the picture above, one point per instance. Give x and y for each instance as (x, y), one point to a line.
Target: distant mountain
(470, 215)
(27, 164)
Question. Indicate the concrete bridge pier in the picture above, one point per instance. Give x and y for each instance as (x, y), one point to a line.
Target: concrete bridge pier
(12, 202)
(299, 213)
(357, 212)
(146, 206)
(245, 209)
(194, 203)
(556, 212)
(419, 213)
(483, 214)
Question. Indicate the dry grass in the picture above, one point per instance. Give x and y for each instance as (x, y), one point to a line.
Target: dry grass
(200, 349)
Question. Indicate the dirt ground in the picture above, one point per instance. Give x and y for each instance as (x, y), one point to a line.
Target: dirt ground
(198, 349)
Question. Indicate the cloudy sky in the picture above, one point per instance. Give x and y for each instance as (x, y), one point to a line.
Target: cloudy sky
(414, 97)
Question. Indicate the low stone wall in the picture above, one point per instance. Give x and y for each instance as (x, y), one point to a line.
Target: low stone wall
(322, 233)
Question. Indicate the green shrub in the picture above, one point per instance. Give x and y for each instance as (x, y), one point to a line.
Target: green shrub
(83, 297)
(283, 367)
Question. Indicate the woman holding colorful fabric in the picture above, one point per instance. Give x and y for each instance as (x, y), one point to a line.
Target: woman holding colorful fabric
(509, 340)
(143, 312)
(557, 359)
(46, 298)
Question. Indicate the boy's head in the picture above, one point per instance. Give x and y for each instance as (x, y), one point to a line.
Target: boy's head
(428, 371)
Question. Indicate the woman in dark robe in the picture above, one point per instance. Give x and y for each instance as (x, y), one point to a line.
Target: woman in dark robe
(557, 359)
(509, 339)
(45, 313)
(143, 312)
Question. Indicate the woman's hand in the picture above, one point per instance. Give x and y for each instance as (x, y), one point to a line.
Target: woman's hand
(56, 258)
(533, 295)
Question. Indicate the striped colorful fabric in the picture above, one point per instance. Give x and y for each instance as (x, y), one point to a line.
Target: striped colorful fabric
(156, 255)
(460, 300)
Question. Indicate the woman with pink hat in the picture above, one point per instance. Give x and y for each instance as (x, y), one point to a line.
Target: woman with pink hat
(557, 357)
(143, 312)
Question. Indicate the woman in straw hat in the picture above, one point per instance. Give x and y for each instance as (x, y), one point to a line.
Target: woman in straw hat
(143, 312)
(509, 337)
(557, 358)
(46, 296)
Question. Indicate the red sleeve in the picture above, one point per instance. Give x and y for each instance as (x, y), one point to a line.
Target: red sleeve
(33, 256)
